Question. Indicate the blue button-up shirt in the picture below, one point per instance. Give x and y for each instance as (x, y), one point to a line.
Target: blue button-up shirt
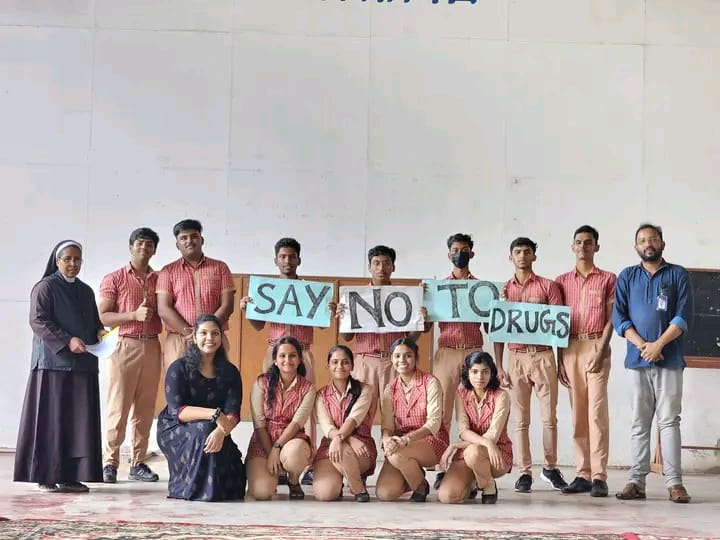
(636, 305)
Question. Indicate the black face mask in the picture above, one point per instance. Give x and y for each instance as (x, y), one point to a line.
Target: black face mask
(460, 259)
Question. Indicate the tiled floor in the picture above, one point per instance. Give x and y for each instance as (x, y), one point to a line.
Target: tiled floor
(544, 510)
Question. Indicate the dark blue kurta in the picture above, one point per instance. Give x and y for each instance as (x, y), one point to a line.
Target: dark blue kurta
(195, 475)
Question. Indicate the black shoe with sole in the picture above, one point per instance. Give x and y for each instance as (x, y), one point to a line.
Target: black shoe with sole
(296, 492)
(363, 496)
(490, 498)
(579, 485)
(524, 484)
(554, 477)
(420, 494)
(142, 473)
(109, 474)
(307, 479)
(599, 488)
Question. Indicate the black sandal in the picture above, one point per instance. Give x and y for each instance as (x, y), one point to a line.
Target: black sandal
(420, 494)
(490, 499)
(363, 496)
(296, 492)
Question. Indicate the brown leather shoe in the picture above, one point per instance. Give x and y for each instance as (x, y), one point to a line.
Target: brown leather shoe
(629, 492)
(678, 494)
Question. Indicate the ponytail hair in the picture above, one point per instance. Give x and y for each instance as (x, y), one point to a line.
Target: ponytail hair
(355, 385)
(273, 372)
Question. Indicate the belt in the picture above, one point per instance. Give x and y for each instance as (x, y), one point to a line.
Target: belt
(303, 346)
(375, 354)
(532, 349)
(140, 337)
(587, 337)
(461, 346)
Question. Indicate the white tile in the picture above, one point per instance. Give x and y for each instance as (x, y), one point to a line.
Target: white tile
(45, 88)
(43, 206)
(300, 102)
(162, 97)
(438, 106)
(682, 145)
(576, 110)
(485, 19)
(47, 13)
(303, 17)
(578, 21)
(213, 15)
(325, 212)
(690, 22)
(418, 228)
(123, 198)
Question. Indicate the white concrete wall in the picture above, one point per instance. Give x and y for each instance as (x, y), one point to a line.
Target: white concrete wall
(352, 123)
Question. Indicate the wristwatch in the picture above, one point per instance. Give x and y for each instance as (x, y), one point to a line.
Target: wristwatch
(216, 414)
(340, 436)
(277, 445)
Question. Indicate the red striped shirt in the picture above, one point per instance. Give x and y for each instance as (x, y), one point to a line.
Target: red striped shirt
(304, 334)
(460, 334)
(589, 299)
(128, 290)
(195, 290)
(535, 290)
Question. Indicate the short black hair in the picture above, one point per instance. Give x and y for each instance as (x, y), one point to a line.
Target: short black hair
(187, 225)
(587, 229)
(523, 241)
(656, 228)
(462, 238)
(287, 243)
(480, 357)
(145, 233)
(381, 251)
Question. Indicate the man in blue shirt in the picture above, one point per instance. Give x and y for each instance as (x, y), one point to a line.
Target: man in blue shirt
(653, 305)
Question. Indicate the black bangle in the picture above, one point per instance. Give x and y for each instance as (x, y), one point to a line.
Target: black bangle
(216, 414)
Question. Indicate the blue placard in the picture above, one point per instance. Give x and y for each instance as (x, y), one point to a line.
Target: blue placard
(530, 324)
(460, 300)
(290, 301)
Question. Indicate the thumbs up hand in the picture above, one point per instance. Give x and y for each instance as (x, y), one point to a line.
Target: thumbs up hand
(143, 312)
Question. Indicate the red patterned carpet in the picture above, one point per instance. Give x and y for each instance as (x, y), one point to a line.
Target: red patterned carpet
(83, 530)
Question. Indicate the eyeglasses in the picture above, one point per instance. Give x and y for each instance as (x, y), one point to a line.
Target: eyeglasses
(68, 260)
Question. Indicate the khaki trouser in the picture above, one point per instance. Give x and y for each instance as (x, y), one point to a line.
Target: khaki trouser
(589, 402)
(309, 361)
(294, 458)
(133, 376)
(403, 470)
(458, 480)
(447, 367)
(534, 371)
(375, 371)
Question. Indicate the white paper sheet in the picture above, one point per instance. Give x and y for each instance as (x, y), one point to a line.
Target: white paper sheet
(106, 345)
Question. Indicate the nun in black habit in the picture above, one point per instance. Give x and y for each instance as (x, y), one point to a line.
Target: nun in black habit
(59, 440)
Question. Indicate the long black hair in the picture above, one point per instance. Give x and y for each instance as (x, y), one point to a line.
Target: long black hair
(273, 372)
(51, 267)
(479, 357)
(355, 385)
(192, 358)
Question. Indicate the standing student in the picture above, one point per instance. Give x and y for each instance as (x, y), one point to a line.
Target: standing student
(189, 287)
(281, 401)
(413, 434)
(457, 339)
(127, 300)
(532, 367)
(584, 366)
(485, 451)
(653, 306)
(345, 410)
(203, 393)
(372, 350)
(59, 441)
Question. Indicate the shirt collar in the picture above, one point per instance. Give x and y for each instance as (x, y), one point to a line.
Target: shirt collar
(345, 393)
(292, 384)
(531, 277)
(130, 270)
(452, 276)
(187, 263)
(593, 270)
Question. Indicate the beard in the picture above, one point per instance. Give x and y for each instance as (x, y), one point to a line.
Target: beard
(654, 256)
